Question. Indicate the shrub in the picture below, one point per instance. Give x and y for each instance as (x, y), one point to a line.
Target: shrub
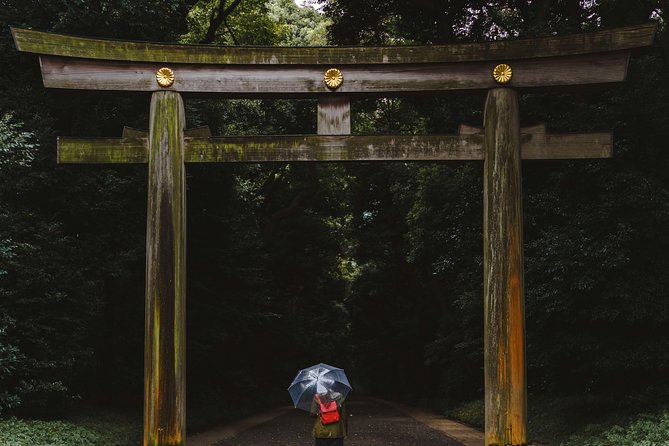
(94, 428)
(15, 432)
(472, 413)
(646, 431)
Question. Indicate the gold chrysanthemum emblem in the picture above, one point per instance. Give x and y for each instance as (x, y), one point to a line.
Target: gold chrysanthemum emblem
(165, 77)
(502, 73)
(333, 78)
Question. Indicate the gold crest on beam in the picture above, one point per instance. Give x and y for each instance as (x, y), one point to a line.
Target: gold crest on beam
(333, 78)
(165, 77)
(502, 73)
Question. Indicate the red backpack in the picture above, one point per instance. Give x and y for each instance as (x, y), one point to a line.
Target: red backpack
(328, 411)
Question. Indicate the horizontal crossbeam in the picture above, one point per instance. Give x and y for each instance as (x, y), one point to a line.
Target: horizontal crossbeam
(70, 46)
(369, 80)
(259, 149)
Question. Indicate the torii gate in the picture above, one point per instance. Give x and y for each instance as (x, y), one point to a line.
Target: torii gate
(334, 75)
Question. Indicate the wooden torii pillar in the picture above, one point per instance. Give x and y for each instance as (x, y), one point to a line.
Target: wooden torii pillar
(334, 75)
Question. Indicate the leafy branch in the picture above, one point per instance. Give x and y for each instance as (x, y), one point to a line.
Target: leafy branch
(219, 16)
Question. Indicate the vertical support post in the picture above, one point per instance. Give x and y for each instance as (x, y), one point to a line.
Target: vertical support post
(504, 293)
(334, 115)
(165, 324)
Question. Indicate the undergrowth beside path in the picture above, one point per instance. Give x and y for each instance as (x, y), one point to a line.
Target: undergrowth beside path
(579, 421)
(95, 428)
(647, 430)
(105, 428)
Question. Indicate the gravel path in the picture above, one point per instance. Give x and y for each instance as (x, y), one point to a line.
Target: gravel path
(371, 424)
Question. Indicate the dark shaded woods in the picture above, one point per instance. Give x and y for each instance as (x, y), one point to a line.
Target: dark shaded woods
(374, 268)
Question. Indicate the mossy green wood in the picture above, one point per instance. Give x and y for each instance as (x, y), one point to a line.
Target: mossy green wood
(130, 150)
(70, 46)
(503, 277)
(165, 335)
(258, 149)
(200, 132)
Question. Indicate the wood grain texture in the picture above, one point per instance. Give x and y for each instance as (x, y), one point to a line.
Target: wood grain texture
(131, 150)
(369, 80)
(333, 148)
(503, 277)
(536, 144)
(601, 41)
(131, 132)
(202, 131)
(334, 115)
(540, 146)
(165, 326)
(198, 132)
(258, 149)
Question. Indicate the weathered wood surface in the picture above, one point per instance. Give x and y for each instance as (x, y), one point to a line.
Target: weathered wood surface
(503, 277)
(369, 80)
(103, 150)
(199, 132)
(537, 129)
(566, 146)
(131, 132)
(334, 115)
(165, 327)
(536, 144)
(258, 149)
(333, 148)
(63, 45)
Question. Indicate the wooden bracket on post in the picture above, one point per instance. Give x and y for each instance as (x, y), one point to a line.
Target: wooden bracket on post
(334, 115)
(196, 132)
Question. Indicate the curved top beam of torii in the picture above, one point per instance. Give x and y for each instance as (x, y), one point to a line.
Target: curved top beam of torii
(69, 46)
(96, 64)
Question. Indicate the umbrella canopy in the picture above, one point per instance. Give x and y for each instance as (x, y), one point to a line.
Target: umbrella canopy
(322, 379)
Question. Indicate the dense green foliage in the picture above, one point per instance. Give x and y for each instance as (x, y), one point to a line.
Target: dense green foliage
(56, 433)
(299, 26)
(376, 268)
(647, 431)
(248, 24)
(97, 428)
(576, 420)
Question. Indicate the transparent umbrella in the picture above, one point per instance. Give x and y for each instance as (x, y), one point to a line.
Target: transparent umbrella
(320, 379)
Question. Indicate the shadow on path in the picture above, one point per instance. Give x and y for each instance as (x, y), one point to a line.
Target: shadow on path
(371, 423)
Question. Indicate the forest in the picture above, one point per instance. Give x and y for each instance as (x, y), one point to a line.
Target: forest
(377, 268)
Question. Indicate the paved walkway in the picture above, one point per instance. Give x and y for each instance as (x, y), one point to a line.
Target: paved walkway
(372, 423)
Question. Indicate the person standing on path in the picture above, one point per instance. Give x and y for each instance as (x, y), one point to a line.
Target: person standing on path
(325, 432)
